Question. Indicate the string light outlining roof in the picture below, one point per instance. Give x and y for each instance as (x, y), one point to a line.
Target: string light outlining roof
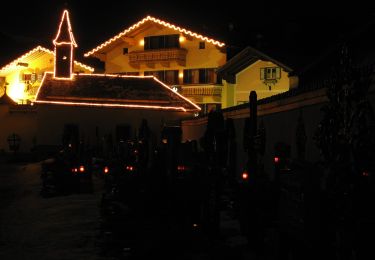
(14, 64)
(158, 21)
(82, 102)
(65, 34)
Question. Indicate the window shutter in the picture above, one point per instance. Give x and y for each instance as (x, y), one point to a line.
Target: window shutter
(278, 73)
(147, 43)
(33, 77)
(40, 76)
(262, 72)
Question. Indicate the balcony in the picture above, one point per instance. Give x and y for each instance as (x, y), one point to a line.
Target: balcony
(204, 90)
(161, 56)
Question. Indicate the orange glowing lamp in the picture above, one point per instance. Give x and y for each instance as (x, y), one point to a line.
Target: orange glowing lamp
(245, 176)
(276, 159)
(106, 170)
(81, 168)
(181, 168)
(129, 168)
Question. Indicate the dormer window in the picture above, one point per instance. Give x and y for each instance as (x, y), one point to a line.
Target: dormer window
(162, 42)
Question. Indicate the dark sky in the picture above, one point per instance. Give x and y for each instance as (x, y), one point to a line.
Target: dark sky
(292, 33)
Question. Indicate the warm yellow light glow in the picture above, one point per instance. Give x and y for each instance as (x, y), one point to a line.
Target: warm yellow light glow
(117, 105)
(142, 42)
(182, 38)
(155, 20)
(15, 64)
(17, 91)
(181, 75)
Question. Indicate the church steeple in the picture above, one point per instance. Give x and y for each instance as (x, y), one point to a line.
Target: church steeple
(64, 49)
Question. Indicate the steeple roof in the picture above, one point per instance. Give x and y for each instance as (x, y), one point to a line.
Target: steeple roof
(65, 33)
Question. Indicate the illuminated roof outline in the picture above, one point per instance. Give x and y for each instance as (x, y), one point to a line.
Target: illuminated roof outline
(14, 63)
(158, 21)
(109, 90)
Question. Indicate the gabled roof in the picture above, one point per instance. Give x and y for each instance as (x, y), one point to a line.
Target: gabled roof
(65, 34)
(33, 54)
(105, 90)
(156, 21)
(244, 59)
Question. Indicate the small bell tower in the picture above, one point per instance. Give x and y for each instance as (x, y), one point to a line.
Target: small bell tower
(64, 49)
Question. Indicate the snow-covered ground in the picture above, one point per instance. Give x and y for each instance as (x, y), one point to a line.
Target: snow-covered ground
(67, 227)
(33, 227)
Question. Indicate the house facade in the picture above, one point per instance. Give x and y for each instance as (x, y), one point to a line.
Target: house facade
(184, 60)
(253, 70)
(101, 110)
(22, 77)
(88, 109)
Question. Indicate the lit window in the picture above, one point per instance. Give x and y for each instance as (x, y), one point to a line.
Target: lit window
(26, 77)
(200, 76)
(169, 77)
(162, 42)
(270, 73)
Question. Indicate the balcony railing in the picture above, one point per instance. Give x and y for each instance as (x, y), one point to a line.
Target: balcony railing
(158, 56)
(205, 90)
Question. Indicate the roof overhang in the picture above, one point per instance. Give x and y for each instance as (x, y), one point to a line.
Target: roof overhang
(144, 22)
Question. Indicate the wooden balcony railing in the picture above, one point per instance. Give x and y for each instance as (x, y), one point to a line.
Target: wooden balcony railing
(158, 56)
(205, 90)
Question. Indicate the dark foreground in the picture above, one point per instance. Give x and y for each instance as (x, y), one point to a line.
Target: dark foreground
(70, 226)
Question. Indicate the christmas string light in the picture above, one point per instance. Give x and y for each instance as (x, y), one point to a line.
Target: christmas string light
(158, 21)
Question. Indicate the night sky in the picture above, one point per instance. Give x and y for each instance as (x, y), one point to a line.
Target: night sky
(294, 34)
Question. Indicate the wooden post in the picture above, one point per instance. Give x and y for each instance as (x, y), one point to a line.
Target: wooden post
(252, 153)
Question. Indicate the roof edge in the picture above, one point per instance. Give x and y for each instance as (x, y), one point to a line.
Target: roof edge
(13, 63)
(158, 21)
(241, 58)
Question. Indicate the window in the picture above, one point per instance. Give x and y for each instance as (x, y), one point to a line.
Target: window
(202, 45)
(169, 77)
(200, 76)
(125, 51)
(25, 77)
(162, 42)
(191, 76)
(207, 108)
(270, 73)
